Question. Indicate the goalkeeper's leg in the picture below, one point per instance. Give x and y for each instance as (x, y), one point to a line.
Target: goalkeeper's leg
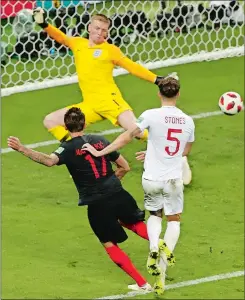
(54, 121)
(119, 112)
(126, 119)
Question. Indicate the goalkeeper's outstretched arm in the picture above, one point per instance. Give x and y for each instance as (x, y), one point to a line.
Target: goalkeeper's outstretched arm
(58, 35)
(137, 69)
(132, 67)
(53, 32)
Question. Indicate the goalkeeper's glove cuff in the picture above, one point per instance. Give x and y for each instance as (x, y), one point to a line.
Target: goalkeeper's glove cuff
(158, 79)
(43, 25)
(172, 75)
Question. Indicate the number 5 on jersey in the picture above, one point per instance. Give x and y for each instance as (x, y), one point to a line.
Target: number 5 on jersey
(172, 137)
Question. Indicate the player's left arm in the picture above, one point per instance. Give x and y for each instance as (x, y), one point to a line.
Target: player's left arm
(191, 139)
(187, 149)
(122, 167)
(119, 59)
(38, 157)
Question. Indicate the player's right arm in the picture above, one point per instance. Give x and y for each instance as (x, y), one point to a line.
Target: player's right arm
(53, 32)
(122, 167)
(58, 35)
(38, 157)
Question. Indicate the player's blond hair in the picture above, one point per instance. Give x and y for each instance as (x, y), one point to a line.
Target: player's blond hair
(101, 18)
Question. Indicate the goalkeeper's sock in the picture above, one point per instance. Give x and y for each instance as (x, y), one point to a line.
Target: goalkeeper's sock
(139, 228)
(60, 133)
(121, 259)
(144, 136)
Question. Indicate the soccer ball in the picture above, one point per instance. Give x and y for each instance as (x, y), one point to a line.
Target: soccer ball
(230, 103)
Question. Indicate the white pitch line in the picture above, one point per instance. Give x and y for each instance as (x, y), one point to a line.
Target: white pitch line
(52, 142)
(180, 284)
(107, 132)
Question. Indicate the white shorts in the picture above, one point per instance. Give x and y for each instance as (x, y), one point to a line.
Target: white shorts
(167, 195)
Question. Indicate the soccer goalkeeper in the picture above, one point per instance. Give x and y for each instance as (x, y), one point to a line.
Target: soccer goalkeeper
(95, 60)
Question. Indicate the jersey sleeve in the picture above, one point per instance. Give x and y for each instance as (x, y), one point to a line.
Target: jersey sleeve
(192, 134)
(132, 67)
(116, 54)
(60, 152)
(143, 122)
(113, 156)
(60, 37)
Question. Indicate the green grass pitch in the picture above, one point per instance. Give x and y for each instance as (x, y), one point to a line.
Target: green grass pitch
(48, 248)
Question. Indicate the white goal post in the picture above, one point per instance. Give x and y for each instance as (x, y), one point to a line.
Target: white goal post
(156, 34)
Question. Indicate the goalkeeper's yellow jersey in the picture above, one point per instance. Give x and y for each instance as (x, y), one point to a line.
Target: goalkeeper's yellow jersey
(94, 65)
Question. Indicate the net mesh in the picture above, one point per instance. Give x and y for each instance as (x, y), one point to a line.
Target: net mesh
(153, 33)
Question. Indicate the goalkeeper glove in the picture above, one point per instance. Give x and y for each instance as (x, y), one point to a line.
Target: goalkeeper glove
(172, 75)
(39, 17)
(158, 79)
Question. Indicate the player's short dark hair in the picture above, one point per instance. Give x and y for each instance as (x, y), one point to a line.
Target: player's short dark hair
(74, 119)
(169, 87)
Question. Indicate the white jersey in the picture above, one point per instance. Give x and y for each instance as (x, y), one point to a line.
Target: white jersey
(169, 131)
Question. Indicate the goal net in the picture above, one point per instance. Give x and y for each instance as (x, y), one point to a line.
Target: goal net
(153, 33)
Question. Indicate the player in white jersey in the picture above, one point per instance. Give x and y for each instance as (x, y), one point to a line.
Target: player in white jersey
(171, 134)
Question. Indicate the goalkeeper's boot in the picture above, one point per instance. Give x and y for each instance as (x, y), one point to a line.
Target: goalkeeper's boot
(159, 284)
(165, 253)
(146, 287)
(186, 171)
(152, 265)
